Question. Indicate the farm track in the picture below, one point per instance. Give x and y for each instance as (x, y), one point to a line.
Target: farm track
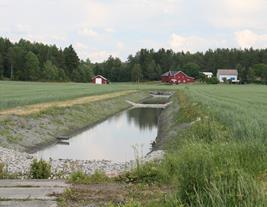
(35, 108)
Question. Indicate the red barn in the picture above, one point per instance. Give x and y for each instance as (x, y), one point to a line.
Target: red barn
(99, 79)
(176, 77)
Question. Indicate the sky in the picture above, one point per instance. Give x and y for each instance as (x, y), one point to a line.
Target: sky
(100, 28)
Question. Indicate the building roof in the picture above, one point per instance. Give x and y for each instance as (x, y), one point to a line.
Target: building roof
(170, 73)
(173, 73)
(207, 73)
(99, 76)
(227, 72)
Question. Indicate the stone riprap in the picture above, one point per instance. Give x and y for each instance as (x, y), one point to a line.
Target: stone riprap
(20, 163)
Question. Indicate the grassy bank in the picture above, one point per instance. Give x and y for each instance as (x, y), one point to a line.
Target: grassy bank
(209, 165)
(220, 160)
(39, 129)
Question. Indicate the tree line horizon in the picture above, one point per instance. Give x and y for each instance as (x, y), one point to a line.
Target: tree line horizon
(34, 61)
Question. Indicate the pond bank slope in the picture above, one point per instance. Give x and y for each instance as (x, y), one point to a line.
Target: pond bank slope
(35, 131)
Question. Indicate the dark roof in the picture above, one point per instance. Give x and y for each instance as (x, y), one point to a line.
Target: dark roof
(170, 73)
(99, 76)
(173, 73)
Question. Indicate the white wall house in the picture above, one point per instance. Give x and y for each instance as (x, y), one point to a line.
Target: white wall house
(208, 74)
(227, 74)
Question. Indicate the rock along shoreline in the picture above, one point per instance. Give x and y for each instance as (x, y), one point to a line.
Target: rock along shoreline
(19, 163)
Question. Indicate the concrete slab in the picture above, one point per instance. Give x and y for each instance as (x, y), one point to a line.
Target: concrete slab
(33, 203)
(33, 183)
(38, 193)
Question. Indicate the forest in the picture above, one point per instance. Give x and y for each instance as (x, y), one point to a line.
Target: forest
(33, 61)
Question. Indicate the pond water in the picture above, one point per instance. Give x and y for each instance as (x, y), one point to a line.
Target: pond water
(113, 139)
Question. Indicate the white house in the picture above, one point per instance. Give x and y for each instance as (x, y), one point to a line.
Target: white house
(227, 74)
(208, 74)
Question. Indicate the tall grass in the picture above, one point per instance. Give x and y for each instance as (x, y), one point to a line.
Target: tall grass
(218, 161)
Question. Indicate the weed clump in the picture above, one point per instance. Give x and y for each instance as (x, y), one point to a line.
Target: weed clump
(144, 173)
(40, 169)
(2, 171)
(80, 177)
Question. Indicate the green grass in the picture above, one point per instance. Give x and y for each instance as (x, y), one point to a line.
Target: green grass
(220, 160)
(97, 177)
(13, 93)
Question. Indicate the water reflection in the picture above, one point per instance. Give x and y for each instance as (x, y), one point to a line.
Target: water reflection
(144, 118)
(112, 139)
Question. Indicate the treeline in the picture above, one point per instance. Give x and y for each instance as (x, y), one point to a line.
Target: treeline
(28, 61)
(36, 61)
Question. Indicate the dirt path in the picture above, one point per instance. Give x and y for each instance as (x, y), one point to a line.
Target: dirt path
(30, 109)
(30, 193)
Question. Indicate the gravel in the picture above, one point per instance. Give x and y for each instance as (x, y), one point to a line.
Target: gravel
(20, 162)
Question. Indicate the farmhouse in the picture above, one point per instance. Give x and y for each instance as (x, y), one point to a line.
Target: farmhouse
(99, 79)
(208, 74)
(176, 77)
(227, 74)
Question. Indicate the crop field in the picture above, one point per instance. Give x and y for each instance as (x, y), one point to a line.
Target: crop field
(221, 160)
(241, 108)
(14, 94)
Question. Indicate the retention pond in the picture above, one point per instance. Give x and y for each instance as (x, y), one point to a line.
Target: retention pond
(113, 139)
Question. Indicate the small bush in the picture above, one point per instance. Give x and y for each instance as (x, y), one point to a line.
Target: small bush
(212, 80)
(40, 169)
(80, 177)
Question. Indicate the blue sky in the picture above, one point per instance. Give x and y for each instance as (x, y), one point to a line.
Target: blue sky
(99, 28)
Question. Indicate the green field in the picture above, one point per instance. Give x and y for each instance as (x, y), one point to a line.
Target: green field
(221, 160)
(14, 94)
(241, 108)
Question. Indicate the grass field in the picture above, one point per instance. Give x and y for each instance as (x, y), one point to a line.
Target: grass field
(14, 94)
(243, 109)
(221, 160)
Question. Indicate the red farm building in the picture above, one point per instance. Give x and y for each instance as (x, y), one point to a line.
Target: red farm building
(99, 79)
(176, 77)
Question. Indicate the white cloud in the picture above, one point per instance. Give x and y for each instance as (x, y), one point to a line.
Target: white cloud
(237, 13)
(120, 45)
(99, 56)
(88, 32)
(99, 28)
(247, 38)
(81, 49)
(109, 30)
(194, 43)
(46, 39)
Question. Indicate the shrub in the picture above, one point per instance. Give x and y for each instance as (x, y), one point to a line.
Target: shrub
(40, 169)
(80, 177)
(212, 80)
